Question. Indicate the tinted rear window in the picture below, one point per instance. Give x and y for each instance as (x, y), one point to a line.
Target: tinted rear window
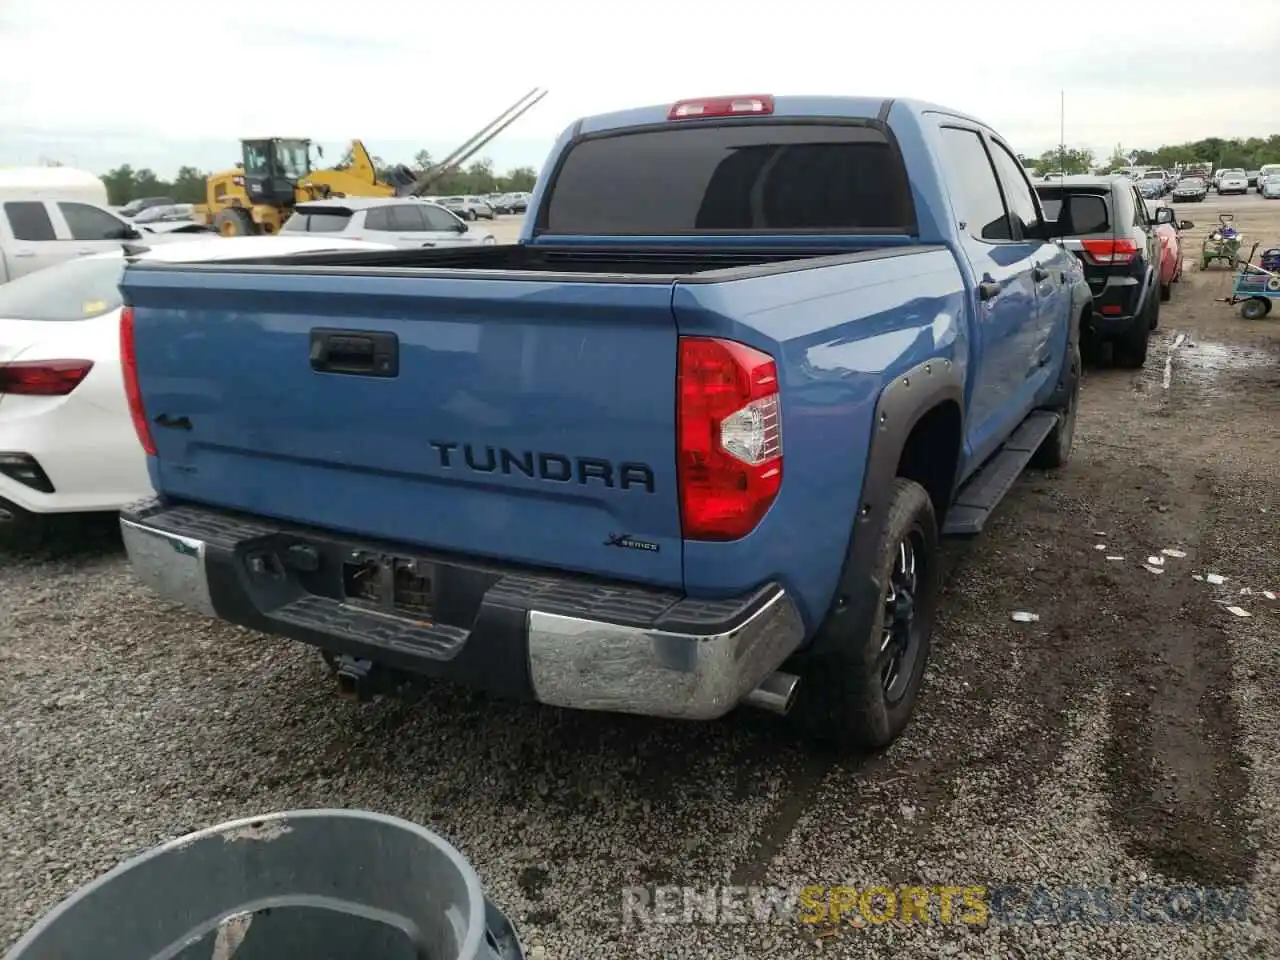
(1081, 214)
(328, 222)
(74, 290)
(732, 177)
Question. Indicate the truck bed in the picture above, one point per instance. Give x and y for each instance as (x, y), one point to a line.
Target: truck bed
(525, 409)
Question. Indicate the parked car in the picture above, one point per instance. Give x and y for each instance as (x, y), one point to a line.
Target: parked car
(1169, 231)
(511, 203)
(468, 208)
(1253, 177)
(1104, 222)
(165, 214)
(67, 440)
(542, 533)
(1151, 189)
(135, 207)
(35, 234)
(1233, 181)
(1269, 180)
(400, 222)
(1155, 180)
(1190, 190)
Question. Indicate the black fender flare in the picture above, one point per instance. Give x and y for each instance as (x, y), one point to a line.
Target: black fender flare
(903, 402)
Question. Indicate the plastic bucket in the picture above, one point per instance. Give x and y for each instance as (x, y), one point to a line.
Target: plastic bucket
(313, 884)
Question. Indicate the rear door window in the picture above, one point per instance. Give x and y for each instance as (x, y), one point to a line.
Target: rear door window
(29, 221)
(319, 222)
(975, 192)
(74, 290)
(735, 176)
(379, 219)
(407, 218)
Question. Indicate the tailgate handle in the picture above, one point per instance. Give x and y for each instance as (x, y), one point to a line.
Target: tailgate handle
(362, 353)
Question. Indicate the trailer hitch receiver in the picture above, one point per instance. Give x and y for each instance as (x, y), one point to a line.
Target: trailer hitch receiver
(353, 678)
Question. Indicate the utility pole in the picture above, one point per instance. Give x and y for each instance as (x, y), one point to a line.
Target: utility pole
(1062, 131)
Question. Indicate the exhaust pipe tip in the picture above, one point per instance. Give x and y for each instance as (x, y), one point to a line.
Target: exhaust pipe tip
(776, 693)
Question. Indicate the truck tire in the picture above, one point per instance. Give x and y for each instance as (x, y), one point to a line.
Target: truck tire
(1153, 312)
(849, 697)
(234, 222)
(1056, 448)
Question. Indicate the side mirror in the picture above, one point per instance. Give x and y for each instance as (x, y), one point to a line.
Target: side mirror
(1164, 215)
(1185, 225)
(461, 227)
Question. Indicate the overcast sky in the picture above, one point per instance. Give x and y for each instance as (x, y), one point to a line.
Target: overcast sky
(160, 84)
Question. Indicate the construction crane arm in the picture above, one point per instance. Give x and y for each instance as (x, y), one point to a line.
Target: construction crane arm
(477, 142)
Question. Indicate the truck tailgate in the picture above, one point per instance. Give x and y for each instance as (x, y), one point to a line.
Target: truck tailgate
(528, 421)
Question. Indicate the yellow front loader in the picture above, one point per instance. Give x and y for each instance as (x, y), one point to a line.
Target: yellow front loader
(275, 173)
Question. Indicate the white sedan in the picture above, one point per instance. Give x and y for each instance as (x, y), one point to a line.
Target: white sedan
(67, 442)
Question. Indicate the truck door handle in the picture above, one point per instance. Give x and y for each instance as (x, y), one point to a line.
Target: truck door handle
(1039, 274)
(22, 254)
(177, 423)
(364, 353)
(988, 290)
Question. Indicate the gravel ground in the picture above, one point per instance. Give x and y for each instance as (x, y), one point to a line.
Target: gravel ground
(1125, 739)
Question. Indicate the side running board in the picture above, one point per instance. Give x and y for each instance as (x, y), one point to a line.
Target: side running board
(983, 492)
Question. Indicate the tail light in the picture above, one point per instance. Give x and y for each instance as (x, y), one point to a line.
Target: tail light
(759, 105)
(43, 378)
(129, 366)
(1111, 250)
(729, 438)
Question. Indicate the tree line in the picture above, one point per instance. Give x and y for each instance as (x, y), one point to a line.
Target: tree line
(1247, 154)
(479, 177)
(124, 183)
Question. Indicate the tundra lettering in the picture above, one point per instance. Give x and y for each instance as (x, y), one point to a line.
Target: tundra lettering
(547, 466)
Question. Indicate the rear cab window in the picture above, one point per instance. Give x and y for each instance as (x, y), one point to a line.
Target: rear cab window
(731, 177)
(75, 290)
(318, 221)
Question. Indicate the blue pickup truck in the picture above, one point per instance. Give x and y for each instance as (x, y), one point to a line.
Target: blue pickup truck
(689, 444)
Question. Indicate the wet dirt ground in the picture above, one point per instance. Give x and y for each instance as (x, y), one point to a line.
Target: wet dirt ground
(1126, 739)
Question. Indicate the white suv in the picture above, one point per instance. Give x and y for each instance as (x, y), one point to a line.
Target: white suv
(400, 222)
